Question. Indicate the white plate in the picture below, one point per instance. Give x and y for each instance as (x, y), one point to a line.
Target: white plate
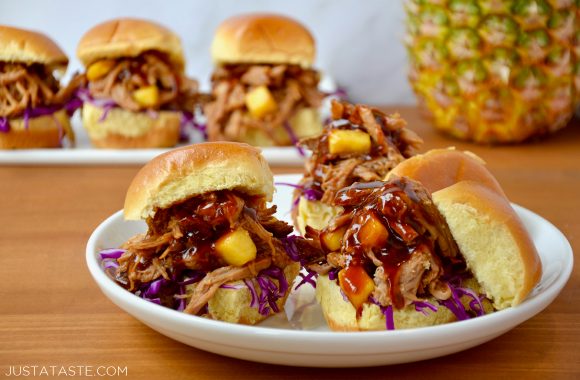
(84, 154)
(302, 339)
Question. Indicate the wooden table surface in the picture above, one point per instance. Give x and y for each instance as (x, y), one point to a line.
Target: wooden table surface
(52, 313)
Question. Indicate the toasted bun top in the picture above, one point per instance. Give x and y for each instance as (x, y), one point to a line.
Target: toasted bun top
(196, 169)
(440, 168)
(263, 38)
(128, 37)
(27, 46)
(494, 242)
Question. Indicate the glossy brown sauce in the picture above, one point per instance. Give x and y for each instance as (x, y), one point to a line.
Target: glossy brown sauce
(396, 205)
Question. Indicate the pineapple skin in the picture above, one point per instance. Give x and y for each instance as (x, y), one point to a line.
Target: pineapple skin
(495, 71)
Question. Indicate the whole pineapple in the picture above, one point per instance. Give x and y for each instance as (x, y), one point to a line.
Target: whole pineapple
(495, 70)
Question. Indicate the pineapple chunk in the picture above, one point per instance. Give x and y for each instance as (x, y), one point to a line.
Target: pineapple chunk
(373, 232)
(356, 284)
(332, 240)
(236, 247)
(147, 96)
(99, 69)
(260, 102)
(349, 141)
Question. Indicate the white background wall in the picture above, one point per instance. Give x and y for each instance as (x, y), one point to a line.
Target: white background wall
(359, 42)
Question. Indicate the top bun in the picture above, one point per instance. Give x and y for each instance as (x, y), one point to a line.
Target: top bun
(492, 239)
(26, 46)
(441, 168)
(196, 169)
(128, 37)
(263, 38)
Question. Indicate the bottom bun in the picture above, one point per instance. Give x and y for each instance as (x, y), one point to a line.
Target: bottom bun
(42, 132)
(314, 214)
(341, 315)
(129, 130)
(233, 305)
(305, 123)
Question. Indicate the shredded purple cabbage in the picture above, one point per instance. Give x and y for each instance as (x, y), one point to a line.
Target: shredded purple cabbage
(308, 193)
(387, 312)
(333, 274)
(4, 125)
(308, 278)
(420, 306)
(293, 138)
(188, 120)
(270, 292)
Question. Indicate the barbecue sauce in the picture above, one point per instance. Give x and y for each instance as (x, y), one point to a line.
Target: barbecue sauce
(398, 206)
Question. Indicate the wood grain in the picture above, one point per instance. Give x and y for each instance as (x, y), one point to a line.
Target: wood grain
(52, 313)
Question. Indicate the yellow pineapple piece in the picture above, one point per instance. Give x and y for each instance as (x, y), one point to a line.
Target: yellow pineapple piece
(349, 141)
(356, 284)
(332, 240)
(373, 233)
(147, 96)
(260, 102)
(236, 247)
(99, 69)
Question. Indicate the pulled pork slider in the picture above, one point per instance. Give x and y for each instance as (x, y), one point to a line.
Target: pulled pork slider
(213, 247)
(135, 89)
(265, 90)
(359, 144)
(32, 103)
(397, 258)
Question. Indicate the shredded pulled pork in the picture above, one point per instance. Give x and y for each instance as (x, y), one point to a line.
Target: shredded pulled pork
(391, 143)
(397, 235)
(182, 238)
(291, 86)
(28, 86)
(175, 90)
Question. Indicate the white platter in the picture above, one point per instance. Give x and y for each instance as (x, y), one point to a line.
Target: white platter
(301, 337)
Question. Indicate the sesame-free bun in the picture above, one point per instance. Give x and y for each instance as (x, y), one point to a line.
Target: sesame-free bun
(128, 37)
(315, 214)
(197, 169)
(124, 129)
(493, 240)
(440, 168)
(42, 132)
(263, 38)
(340, 314)
(232, 303)
(27, 46)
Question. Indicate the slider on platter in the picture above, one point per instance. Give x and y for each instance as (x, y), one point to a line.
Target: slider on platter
(33, 105)
(134, 90)
(265, 89)
(213, 247)
(409, 239)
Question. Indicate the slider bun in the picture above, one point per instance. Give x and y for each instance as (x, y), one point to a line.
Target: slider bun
(492, 239)
(123, 129)
(128, 37)
(305, 123)
(263, 38)
(314, 214)
(26, 46)
(341, 315)
(42, 132)
(233, 305)
(440, 168)
(197, 169)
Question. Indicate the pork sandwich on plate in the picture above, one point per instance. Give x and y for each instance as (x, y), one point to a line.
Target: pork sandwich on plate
(212, 247)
